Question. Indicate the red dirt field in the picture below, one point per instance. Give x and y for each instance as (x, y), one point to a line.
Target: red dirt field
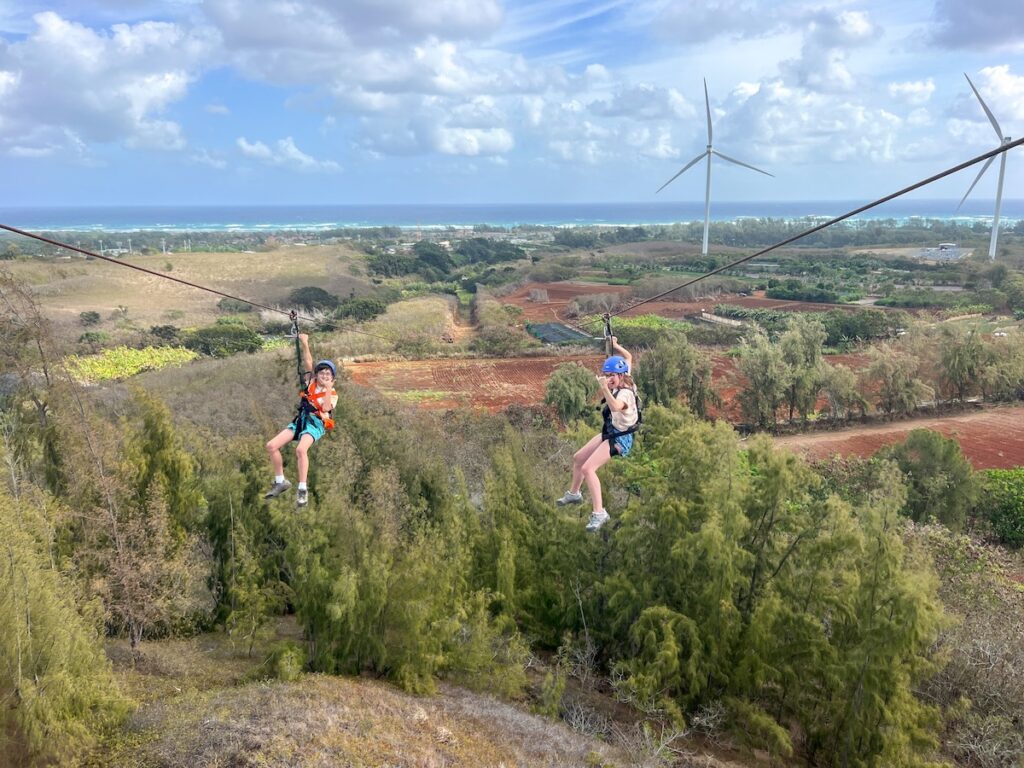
(491, 384)
(990, 439)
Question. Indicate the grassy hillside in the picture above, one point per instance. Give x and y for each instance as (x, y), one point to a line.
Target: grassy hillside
(67, 288)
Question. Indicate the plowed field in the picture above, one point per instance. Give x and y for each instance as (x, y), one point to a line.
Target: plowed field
(491, 384)
(990, 439)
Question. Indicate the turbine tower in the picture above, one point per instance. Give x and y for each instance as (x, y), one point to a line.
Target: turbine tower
(708, 152)
(1002, 172)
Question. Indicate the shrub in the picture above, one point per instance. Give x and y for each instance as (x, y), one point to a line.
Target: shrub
(234, 306)
(311, 297)
(168, 333)
(89, 318)
(287, 661)
(1003, 504)
(223, 340)
(362, 308)
(569, 390)
(94, 338)
(941, 483)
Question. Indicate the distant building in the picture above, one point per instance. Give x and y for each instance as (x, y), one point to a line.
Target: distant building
(943, 252)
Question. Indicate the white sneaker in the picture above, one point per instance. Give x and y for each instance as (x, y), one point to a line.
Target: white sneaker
(570, 498)
(277, 489)
(597, 519)
(301, 497)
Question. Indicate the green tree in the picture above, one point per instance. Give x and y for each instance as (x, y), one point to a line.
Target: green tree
(312, 297)
(839, 385)
(570, 390)
(892, 373)
(941, 482)
(58, 689)
(801, 351)
(962, 359)
(767, 379)
(674, 369)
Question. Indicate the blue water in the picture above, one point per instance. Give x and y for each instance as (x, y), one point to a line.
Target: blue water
(322, 217)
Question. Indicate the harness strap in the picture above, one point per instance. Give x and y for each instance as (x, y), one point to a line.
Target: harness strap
(608, 349)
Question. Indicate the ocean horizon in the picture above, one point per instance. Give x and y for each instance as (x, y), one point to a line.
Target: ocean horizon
(269, 218)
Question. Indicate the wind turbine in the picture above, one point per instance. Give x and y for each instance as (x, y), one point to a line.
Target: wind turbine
(708, 153)
(1002, 172)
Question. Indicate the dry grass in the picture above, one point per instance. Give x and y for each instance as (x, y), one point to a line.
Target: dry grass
(66, 289)
(198, 710)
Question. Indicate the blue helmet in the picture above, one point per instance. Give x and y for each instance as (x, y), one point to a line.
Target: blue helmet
(615, 364)
(328, 365)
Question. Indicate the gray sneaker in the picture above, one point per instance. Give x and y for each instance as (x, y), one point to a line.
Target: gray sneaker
(597, 519)
(277, 489)
(301, 497)
(570, 498)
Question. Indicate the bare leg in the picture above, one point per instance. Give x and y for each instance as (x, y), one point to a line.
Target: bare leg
(598, 458)
(302, 455)
(579, 459)
(274, 446)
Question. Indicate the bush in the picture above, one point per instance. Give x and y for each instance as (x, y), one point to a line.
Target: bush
(94, 338)
(362, 308)
(287, 661)
(234, 306)
(89, 318)
(311, 297)
(570, 390)
(223, 340)
(940, 481)
(1003, 504)
(167, 333)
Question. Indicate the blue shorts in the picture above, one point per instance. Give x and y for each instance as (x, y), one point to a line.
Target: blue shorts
(622, 446)
(314, 428)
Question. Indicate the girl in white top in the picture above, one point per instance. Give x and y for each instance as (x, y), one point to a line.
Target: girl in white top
(616, 438)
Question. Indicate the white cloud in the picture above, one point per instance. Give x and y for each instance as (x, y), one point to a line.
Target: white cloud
(65, 79)
(203, 157)
(1004, 93)
(473, 141)
(822, 65)
(644, 102)
(285, 154)
(914, 92)
(217, 108)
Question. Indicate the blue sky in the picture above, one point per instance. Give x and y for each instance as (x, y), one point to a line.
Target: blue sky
(153, 102)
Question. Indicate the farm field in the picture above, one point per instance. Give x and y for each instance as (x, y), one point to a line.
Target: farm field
(486, 383)
(560, 294)
(990, 439)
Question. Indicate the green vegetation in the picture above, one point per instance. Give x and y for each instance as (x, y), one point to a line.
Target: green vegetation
(1002, 504)
(735, 579)
(122, 362)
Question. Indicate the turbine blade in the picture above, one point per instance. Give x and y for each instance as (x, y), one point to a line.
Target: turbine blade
(745, 165)
(686, 167)
(707, 106)
(976, 180)
(991, 117)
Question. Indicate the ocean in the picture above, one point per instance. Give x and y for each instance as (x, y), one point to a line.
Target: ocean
(250, 218)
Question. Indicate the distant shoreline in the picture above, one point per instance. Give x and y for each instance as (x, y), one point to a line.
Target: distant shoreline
(322, 218)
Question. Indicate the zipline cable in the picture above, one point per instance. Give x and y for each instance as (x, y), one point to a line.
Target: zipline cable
(829, 223)
(293, 316)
